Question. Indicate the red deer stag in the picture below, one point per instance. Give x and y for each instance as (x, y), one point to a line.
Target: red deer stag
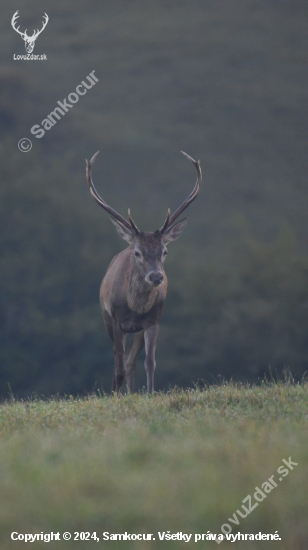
(134, 288)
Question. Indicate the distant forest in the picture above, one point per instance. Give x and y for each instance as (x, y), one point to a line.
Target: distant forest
(224, 81)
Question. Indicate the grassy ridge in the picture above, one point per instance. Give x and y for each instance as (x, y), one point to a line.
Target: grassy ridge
(178, 461)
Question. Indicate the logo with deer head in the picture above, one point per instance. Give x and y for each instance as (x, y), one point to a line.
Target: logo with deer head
(29, 40)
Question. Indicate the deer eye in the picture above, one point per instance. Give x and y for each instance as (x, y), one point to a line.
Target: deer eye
(165, 252)
(137, 254)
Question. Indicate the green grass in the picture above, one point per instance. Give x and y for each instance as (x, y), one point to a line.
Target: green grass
(178, 461)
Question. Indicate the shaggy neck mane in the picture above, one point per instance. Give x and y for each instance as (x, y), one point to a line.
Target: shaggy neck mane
(141, 295)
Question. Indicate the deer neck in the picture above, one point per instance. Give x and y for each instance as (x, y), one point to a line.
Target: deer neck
(141, 295)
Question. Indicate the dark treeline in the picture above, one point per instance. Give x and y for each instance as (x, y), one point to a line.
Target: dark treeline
(226, 82)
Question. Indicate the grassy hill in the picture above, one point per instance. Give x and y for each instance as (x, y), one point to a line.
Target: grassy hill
(177, 461)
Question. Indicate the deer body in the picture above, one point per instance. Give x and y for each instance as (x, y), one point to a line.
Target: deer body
(131, 305)
(126, 295)
(134, 288)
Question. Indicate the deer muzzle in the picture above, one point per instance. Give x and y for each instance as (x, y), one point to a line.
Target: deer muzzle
(155, 278)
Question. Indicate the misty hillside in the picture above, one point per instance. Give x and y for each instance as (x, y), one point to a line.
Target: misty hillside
(225, 82)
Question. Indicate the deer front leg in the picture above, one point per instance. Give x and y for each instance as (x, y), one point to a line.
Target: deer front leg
(130, 359)
(119, 338)
(150, 339)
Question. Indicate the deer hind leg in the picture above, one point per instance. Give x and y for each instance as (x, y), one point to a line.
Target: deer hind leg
(130, 359)
(108, 323)
(119, 338)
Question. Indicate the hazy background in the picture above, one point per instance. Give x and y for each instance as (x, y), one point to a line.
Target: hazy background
(224, 81)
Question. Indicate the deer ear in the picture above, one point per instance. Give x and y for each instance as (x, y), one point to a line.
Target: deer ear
(123, 231)
(174, 231)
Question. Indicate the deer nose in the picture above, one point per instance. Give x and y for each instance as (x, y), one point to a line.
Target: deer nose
(156, 277)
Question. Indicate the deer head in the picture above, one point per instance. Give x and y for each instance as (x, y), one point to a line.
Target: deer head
(149, 249)
(29, 40)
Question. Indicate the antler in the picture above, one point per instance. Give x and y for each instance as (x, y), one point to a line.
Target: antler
(130, 225)
(170, 219)
(13, 23)
(36, 33)
(24, 34)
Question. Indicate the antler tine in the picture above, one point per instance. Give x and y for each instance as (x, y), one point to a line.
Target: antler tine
(166, 223)
(191, 197)
(134, 226)
(45, 21)
(13, 20)
(13, 23)
(99, 200)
